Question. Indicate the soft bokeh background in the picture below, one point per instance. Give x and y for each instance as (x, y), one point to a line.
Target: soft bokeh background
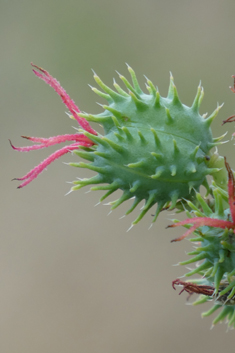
(71, 278)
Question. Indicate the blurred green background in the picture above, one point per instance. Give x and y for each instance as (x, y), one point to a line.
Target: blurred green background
(71, 278)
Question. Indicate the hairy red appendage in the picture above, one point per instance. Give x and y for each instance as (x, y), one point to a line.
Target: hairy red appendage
(78, 138)
(30, 176)
(45, 76)
(212, 222)
(191, 288)
(200, 222)
(46, 142)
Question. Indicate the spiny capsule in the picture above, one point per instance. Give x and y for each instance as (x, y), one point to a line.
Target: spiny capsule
(153, 148)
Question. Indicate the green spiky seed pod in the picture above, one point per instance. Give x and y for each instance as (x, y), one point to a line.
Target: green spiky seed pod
(214, 256)
(217, 246)
(154, 149)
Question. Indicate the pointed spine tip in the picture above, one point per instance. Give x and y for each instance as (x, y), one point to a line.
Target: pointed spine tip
(208, 121)
(119, 137)
(149, 203)
(201, 96)
(158, 172)
(129, 86)
(139, 164)
(205, 265)
(217, 139)
(125, 196)
(192, 155)
(115, 112)
(191, 168)
(205, 207)
(213, 144)
(129, 136)
(196, 258)
(96, 138)
(173, 170)
(134, 80)
(119, 89)
(96, 119)
(97, 179)
(142, 138)
(100, 170)
(135, 203)
(116, 122)
(174, 198)
(157, 103)
(152, 88)
(198, 99)
(191, 185)
(172, 92)
(85, 155)
(170, 89)
(176, 99)
(102, 154)
(136, 185)
(112, 188)
(159, 156)
(116, 147)
(140, 105)
(116, 97)
(101, 94)
(176, 148)
(156, 138)
(168, 119)
(158, 210)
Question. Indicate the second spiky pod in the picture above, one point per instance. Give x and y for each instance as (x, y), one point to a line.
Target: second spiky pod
(214, 253)
(153, 148)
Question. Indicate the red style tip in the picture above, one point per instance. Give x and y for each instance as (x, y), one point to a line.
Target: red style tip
(77, 139)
